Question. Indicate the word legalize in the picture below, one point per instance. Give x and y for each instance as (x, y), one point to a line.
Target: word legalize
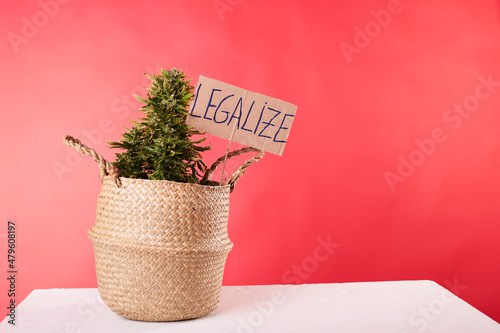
(241, 116)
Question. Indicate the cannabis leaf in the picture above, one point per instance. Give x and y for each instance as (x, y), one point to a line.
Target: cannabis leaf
(160, 146)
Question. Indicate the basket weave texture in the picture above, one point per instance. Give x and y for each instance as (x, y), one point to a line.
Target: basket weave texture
(160, 246)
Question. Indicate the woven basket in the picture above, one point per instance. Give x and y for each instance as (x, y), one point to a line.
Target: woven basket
(160, 246)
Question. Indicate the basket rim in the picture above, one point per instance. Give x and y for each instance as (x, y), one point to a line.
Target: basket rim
(153, 181)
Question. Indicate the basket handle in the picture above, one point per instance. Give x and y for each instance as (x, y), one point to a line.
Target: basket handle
(240, 171)
(105, 168)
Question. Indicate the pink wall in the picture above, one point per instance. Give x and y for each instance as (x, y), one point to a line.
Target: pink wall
(384, 160)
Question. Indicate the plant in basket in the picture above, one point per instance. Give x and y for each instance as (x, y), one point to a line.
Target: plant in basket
(160, 145)
(160, 235)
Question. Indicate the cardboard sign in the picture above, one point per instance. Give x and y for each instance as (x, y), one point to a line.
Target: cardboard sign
(240, 115)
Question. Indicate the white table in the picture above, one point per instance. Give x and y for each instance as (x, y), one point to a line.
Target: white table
(385, 307)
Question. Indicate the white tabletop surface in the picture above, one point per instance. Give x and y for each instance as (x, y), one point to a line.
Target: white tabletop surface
(385, 307)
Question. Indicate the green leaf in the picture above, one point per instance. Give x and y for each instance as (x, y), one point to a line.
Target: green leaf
(159, 145)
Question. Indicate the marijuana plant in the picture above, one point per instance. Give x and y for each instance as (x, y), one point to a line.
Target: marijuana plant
(159, 146)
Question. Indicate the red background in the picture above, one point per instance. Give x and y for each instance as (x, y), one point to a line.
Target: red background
(359, 113)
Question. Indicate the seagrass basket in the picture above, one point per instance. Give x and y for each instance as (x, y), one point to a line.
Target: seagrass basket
(160, 246)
